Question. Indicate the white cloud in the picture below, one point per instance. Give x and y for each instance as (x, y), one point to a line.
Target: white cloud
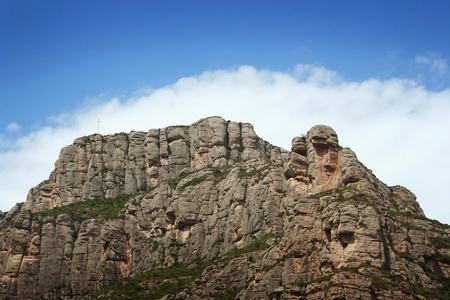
(436, 68)
(436, 64)
(13, 127)
(398, 128)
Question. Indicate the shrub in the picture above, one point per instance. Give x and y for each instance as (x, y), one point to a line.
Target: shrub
(440, 243)
(218, 241)
(255, 246)
(243, 172)
(97, 208)
(105, 169)
(194, 181)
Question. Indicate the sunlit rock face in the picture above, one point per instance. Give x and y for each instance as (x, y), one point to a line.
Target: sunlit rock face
(106, 166)
(319, 223)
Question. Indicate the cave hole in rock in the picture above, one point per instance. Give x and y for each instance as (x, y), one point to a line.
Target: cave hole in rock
(345, 239)
(170, 217)
(184, 227)
(433, 264)
(105, 247)
(329, 169)
(328, 234)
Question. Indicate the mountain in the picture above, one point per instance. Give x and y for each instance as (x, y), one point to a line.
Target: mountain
(212, 211)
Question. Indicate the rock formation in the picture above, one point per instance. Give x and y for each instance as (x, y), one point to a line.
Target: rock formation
(207, 210)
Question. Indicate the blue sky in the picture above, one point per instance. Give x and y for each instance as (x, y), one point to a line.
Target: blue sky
(377, 71)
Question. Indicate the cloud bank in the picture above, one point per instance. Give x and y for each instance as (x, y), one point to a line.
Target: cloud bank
(398, 128)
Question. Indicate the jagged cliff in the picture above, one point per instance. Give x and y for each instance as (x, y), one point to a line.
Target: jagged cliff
(211, 210)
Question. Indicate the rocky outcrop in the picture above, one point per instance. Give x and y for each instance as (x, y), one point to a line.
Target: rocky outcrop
(228, 211)
(106, 166)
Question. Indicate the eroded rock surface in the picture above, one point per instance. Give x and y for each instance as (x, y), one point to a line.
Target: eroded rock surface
(97, 166)
(329, 228)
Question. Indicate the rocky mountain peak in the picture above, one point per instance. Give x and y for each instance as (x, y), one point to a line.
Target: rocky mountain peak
(322, 136)
(211, 210)
(97, 165)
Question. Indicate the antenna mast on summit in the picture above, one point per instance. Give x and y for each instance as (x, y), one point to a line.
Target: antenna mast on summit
(98, 126)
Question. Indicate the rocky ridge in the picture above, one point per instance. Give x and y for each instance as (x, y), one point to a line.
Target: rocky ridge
(208, 210)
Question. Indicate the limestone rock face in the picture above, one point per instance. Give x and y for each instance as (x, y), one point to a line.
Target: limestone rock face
(233, 213)
(323, 160)
(106, 166)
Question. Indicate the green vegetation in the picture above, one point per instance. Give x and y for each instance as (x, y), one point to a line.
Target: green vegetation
(405, 224)
(445, 259)
(338, 193)
(97, 208)
(267, 268)
(407, 214)
(387, 281)
(176, 278)
(194, 181)
(311, 250)
(394, 203)
(393, 195)
(404, 255)
(154, 244)
(176, 244)
(255, 246)
(177, 270)
(218, 241)
(105, 169)
(216, 171)
(317, 280)
(356, 199)
(409, 226)
(332, 191)
(380, 282)
(283, 258)
(441, 293)
(240, 148)
(127, 137)
(173, 182)
(243, 172)
(308, 254)
(418, 216)
(219, 174)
